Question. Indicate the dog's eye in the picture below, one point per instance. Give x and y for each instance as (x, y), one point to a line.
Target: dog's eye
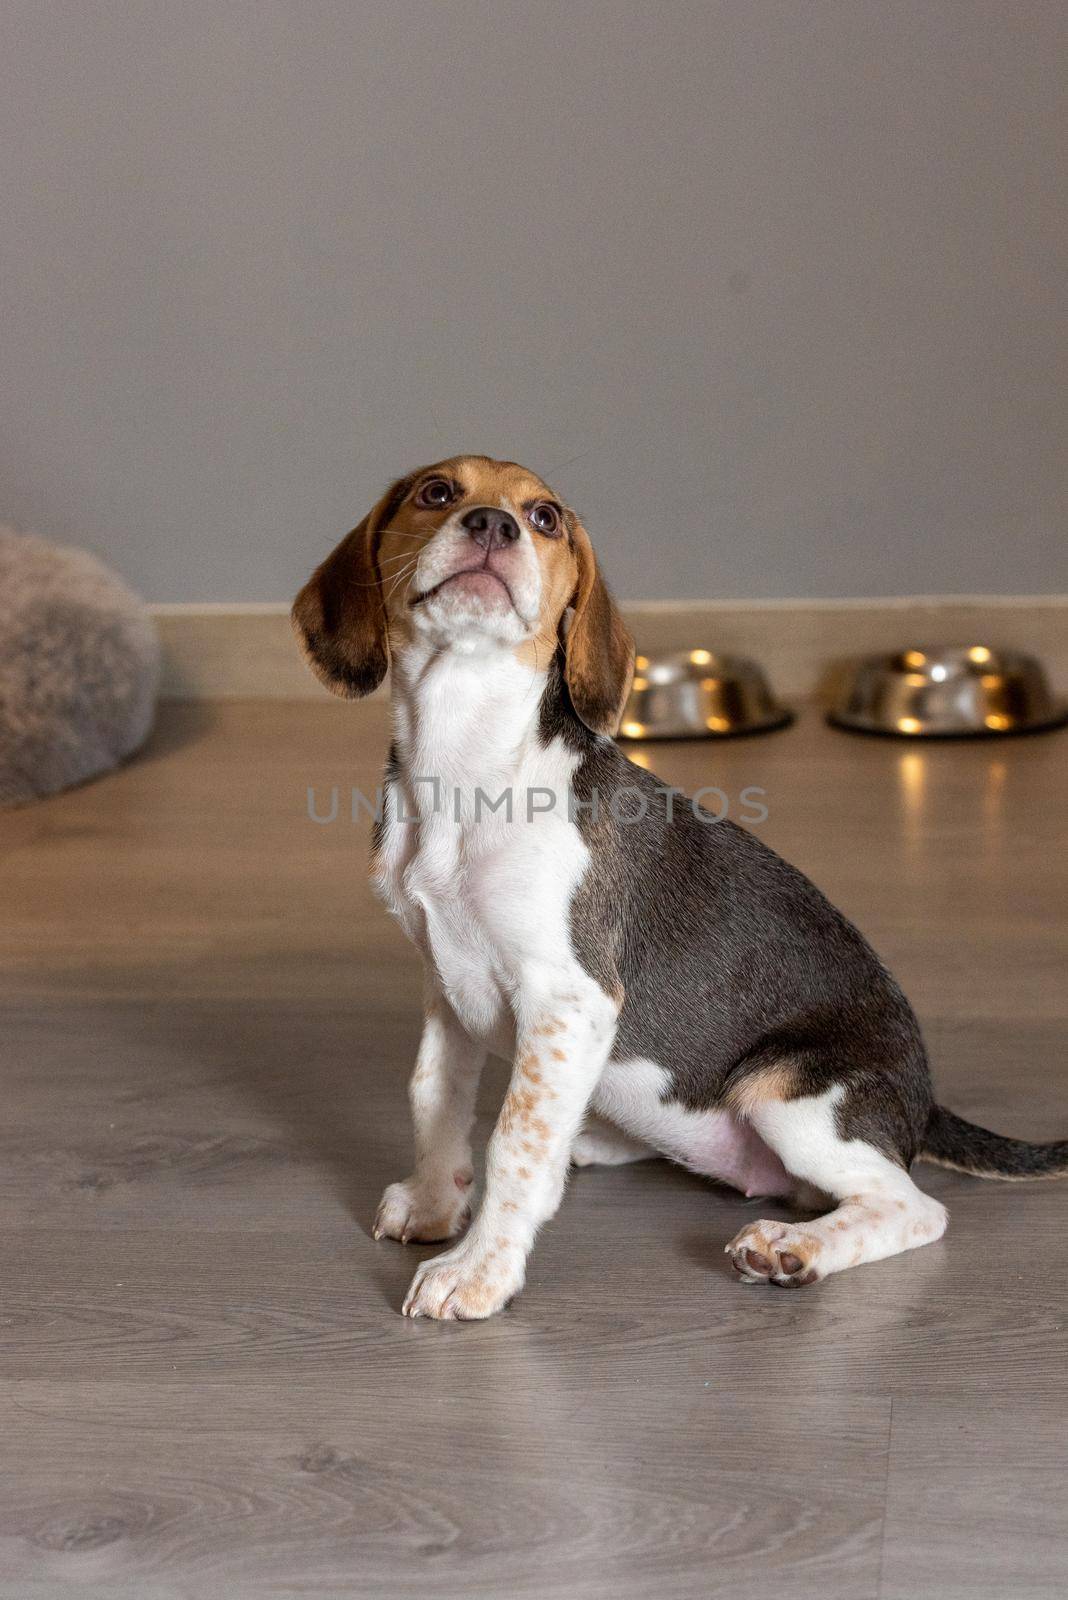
(545, 518)
(435, 492)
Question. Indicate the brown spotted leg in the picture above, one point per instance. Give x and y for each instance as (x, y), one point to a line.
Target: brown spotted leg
(563, 1043)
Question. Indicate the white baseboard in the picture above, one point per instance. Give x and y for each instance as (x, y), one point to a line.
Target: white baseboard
(237, 652)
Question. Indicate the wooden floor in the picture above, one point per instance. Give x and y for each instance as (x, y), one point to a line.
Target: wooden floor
(207, 1390)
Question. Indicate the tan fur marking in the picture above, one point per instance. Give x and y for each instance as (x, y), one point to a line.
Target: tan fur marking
(528, 1066)
(517, 1112)
(475, 1294)
(771, 1083)
(803, 1245)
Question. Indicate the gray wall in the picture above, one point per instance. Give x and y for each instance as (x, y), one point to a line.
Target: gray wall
(774, 292)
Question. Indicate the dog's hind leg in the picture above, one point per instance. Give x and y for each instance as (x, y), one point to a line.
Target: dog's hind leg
(880, 1210)
(600, 1143)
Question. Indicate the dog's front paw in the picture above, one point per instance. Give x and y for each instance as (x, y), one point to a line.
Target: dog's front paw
(417, 1210)
(465, 1284)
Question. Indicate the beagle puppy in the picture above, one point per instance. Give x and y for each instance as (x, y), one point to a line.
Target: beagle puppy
(661, 985)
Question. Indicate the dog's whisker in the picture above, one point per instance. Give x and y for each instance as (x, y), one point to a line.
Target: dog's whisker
(386, 569)
(400, 577)
(395, 585)
(400, 573)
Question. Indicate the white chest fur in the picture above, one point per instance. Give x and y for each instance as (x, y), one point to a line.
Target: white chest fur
(479, 858)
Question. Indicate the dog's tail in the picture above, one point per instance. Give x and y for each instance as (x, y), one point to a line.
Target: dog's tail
(951, 1142)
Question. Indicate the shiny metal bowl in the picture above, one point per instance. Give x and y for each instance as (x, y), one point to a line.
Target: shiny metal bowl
(949, 692)
(698, 695)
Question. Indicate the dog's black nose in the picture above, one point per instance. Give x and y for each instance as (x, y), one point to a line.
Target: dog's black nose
(490, 528)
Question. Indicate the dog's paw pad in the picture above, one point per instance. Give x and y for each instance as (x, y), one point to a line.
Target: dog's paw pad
(774, 1252)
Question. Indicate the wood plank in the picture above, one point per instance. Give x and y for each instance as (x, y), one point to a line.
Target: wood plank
(977, 1503)
(296, 1488)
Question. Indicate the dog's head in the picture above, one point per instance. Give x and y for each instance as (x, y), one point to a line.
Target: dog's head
(470, 554)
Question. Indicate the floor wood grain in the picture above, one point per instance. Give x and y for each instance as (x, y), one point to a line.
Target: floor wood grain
(205, 1387)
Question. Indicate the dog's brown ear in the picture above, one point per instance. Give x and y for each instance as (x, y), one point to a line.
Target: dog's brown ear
(339, 616)
(599, 652)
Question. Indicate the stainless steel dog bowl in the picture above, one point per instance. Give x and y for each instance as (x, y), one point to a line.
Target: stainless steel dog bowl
(949, 692)
(698, 695)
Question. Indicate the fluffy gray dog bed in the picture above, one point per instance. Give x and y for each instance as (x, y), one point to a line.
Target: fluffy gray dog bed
(79, 668)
